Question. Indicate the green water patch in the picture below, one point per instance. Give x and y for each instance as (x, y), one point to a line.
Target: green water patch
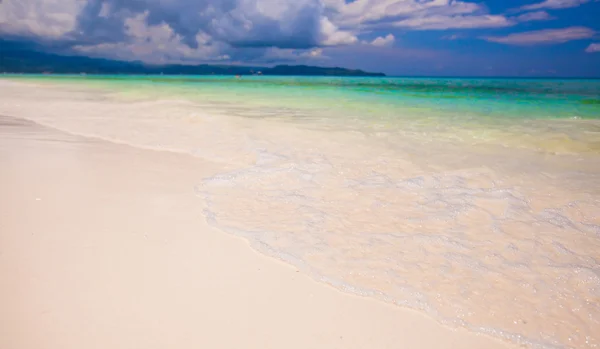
(591, 101)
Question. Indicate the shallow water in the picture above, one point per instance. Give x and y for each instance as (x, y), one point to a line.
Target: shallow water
(477, 201)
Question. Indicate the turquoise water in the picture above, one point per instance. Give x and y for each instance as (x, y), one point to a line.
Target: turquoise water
(474, 200)
(546, 115)
(502, 98)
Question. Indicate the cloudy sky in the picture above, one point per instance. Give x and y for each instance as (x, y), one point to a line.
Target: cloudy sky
(398, 37)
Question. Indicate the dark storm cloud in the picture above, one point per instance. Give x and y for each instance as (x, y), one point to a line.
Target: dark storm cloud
(92, 27)
(239, 23)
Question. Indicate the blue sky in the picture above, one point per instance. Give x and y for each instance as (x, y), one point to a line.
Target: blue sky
(397, 37)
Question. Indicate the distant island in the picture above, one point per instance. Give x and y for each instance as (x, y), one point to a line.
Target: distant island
(17, 59)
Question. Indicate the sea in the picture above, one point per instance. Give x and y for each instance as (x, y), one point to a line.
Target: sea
(476, 201)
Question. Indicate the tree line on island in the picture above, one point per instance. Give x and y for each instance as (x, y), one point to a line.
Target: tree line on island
(18, 59)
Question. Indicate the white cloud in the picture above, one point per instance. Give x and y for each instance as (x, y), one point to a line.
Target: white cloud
(534, 16)
(452, 37)
(367, 15)
(246, 23)
(544, 37)
(455, 22)
(41, 18)
(361, 12)
(595, 47)
(554, 4)
(187, 30)
(256, 23)
(315, 53)
(331, 35)
(277, 55)
(384, 41)
(157, 44)
(104, 10)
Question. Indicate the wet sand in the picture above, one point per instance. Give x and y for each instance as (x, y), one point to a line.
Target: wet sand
(104, 246)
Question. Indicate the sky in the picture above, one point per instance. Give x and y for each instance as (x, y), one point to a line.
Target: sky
(397, 37)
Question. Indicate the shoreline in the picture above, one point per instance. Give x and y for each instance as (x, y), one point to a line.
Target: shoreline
(104, 245)
(479, 238)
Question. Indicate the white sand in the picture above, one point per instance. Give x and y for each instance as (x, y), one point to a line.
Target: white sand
(104, 246)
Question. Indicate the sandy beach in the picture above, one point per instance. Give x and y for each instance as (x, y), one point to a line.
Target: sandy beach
(102, 246)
